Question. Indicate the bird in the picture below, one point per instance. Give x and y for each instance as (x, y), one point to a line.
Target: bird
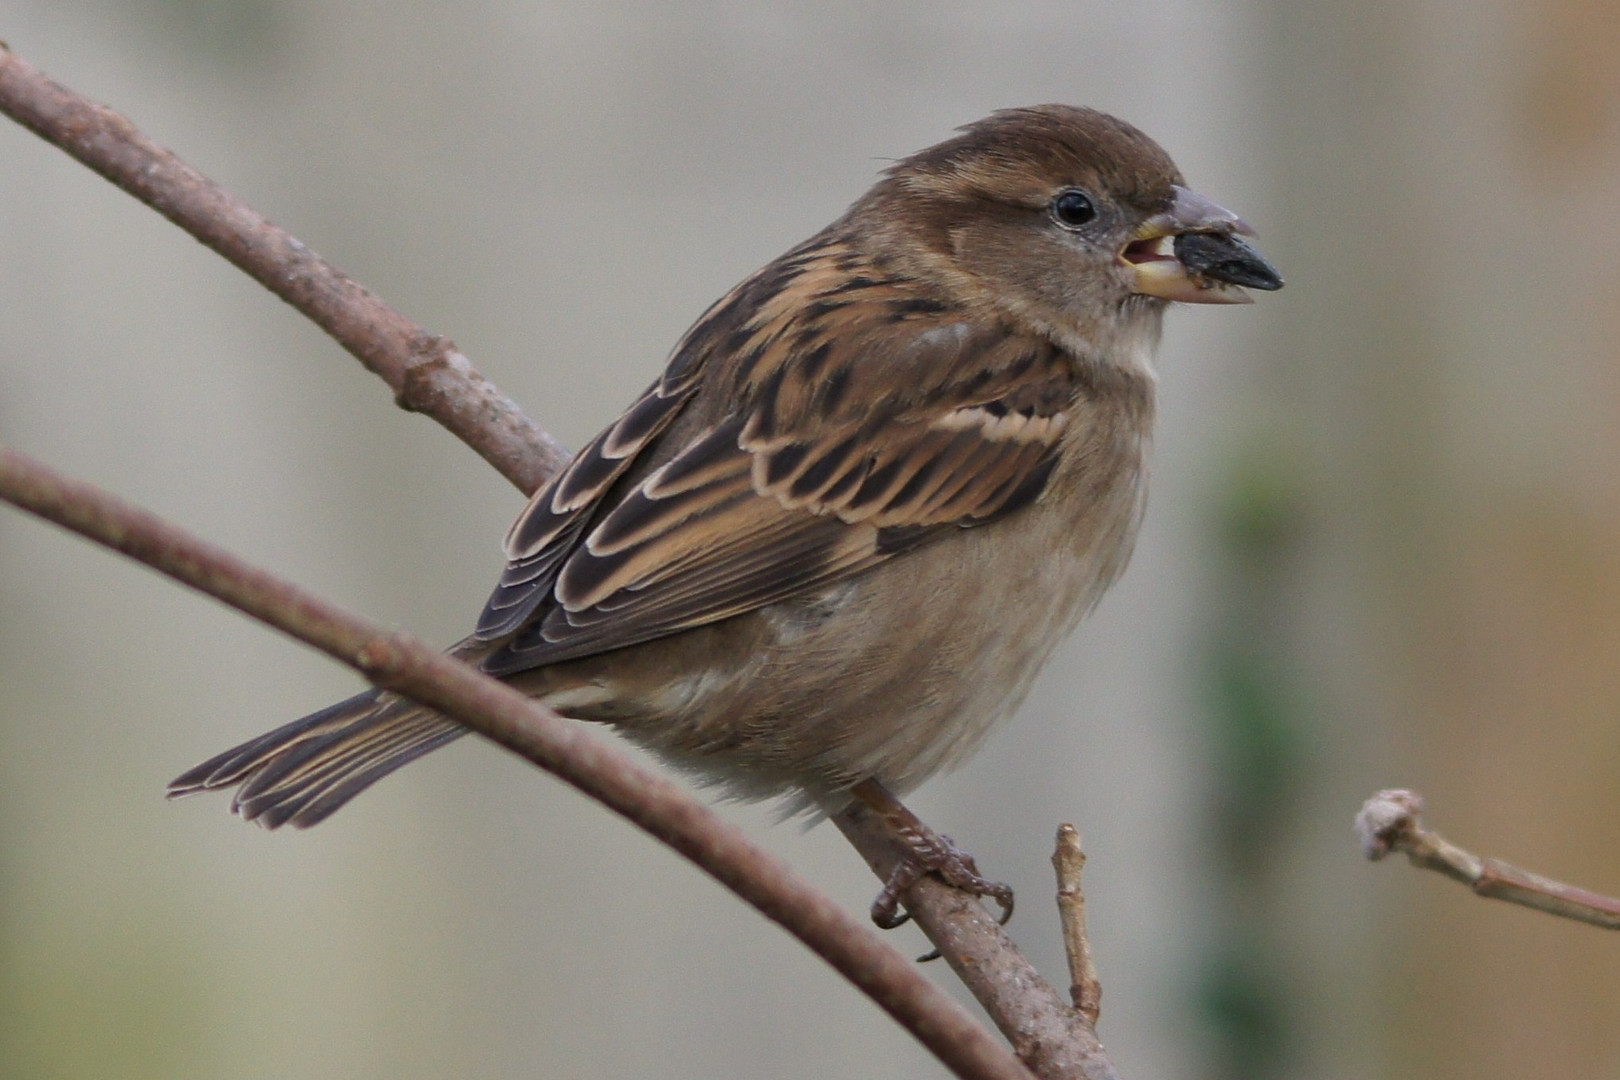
(874, 486)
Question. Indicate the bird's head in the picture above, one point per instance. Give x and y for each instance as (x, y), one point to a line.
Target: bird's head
(1069, 216)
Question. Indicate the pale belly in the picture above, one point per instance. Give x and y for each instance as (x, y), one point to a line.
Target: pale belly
(894, 675)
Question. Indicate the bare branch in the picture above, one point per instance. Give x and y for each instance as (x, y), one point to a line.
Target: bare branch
(1389, 821)
(1052, 1038)
(396, 662)
(426, 372)
(1069, 860)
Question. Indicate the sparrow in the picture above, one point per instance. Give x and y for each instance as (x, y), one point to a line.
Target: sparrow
(875, 485)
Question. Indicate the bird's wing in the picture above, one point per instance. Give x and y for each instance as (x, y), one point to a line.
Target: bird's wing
(549, 529)
(863, 426)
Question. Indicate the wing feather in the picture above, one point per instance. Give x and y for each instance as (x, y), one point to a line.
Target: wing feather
(834, 430)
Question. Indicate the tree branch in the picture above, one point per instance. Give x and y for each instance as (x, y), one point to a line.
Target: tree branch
(1390, 821)
(1053, 1038)
(428, 375)
(426, 372)
(397, 662)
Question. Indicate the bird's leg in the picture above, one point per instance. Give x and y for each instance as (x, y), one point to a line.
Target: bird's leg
(927, 852)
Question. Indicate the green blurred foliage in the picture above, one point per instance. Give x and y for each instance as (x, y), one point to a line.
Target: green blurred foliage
(1256, 729)
(124, 1001)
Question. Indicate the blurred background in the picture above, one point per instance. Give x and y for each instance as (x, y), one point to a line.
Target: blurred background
(1381, 548)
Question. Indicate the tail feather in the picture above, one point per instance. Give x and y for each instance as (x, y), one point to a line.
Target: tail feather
(320, 779)
(299, 774)
(229, 768)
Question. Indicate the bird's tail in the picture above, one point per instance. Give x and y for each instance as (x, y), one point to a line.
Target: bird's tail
(301, 773)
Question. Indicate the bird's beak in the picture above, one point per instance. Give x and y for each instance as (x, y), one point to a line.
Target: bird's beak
(1193, 253)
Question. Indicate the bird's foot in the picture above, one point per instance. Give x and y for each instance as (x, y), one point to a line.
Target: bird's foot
(927, 852)
(931, 853)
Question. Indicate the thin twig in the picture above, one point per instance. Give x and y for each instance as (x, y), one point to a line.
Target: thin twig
(1052, 1038)
(426, 372)
(1390, 821)
(1069, 861)
(396, 662)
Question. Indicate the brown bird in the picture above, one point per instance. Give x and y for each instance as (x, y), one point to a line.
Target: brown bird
(876, 484)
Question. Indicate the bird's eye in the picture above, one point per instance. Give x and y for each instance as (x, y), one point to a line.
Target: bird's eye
(1073, 209)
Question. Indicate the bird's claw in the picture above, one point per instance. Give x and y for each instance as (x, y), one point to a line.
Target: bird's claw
(930, 853)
